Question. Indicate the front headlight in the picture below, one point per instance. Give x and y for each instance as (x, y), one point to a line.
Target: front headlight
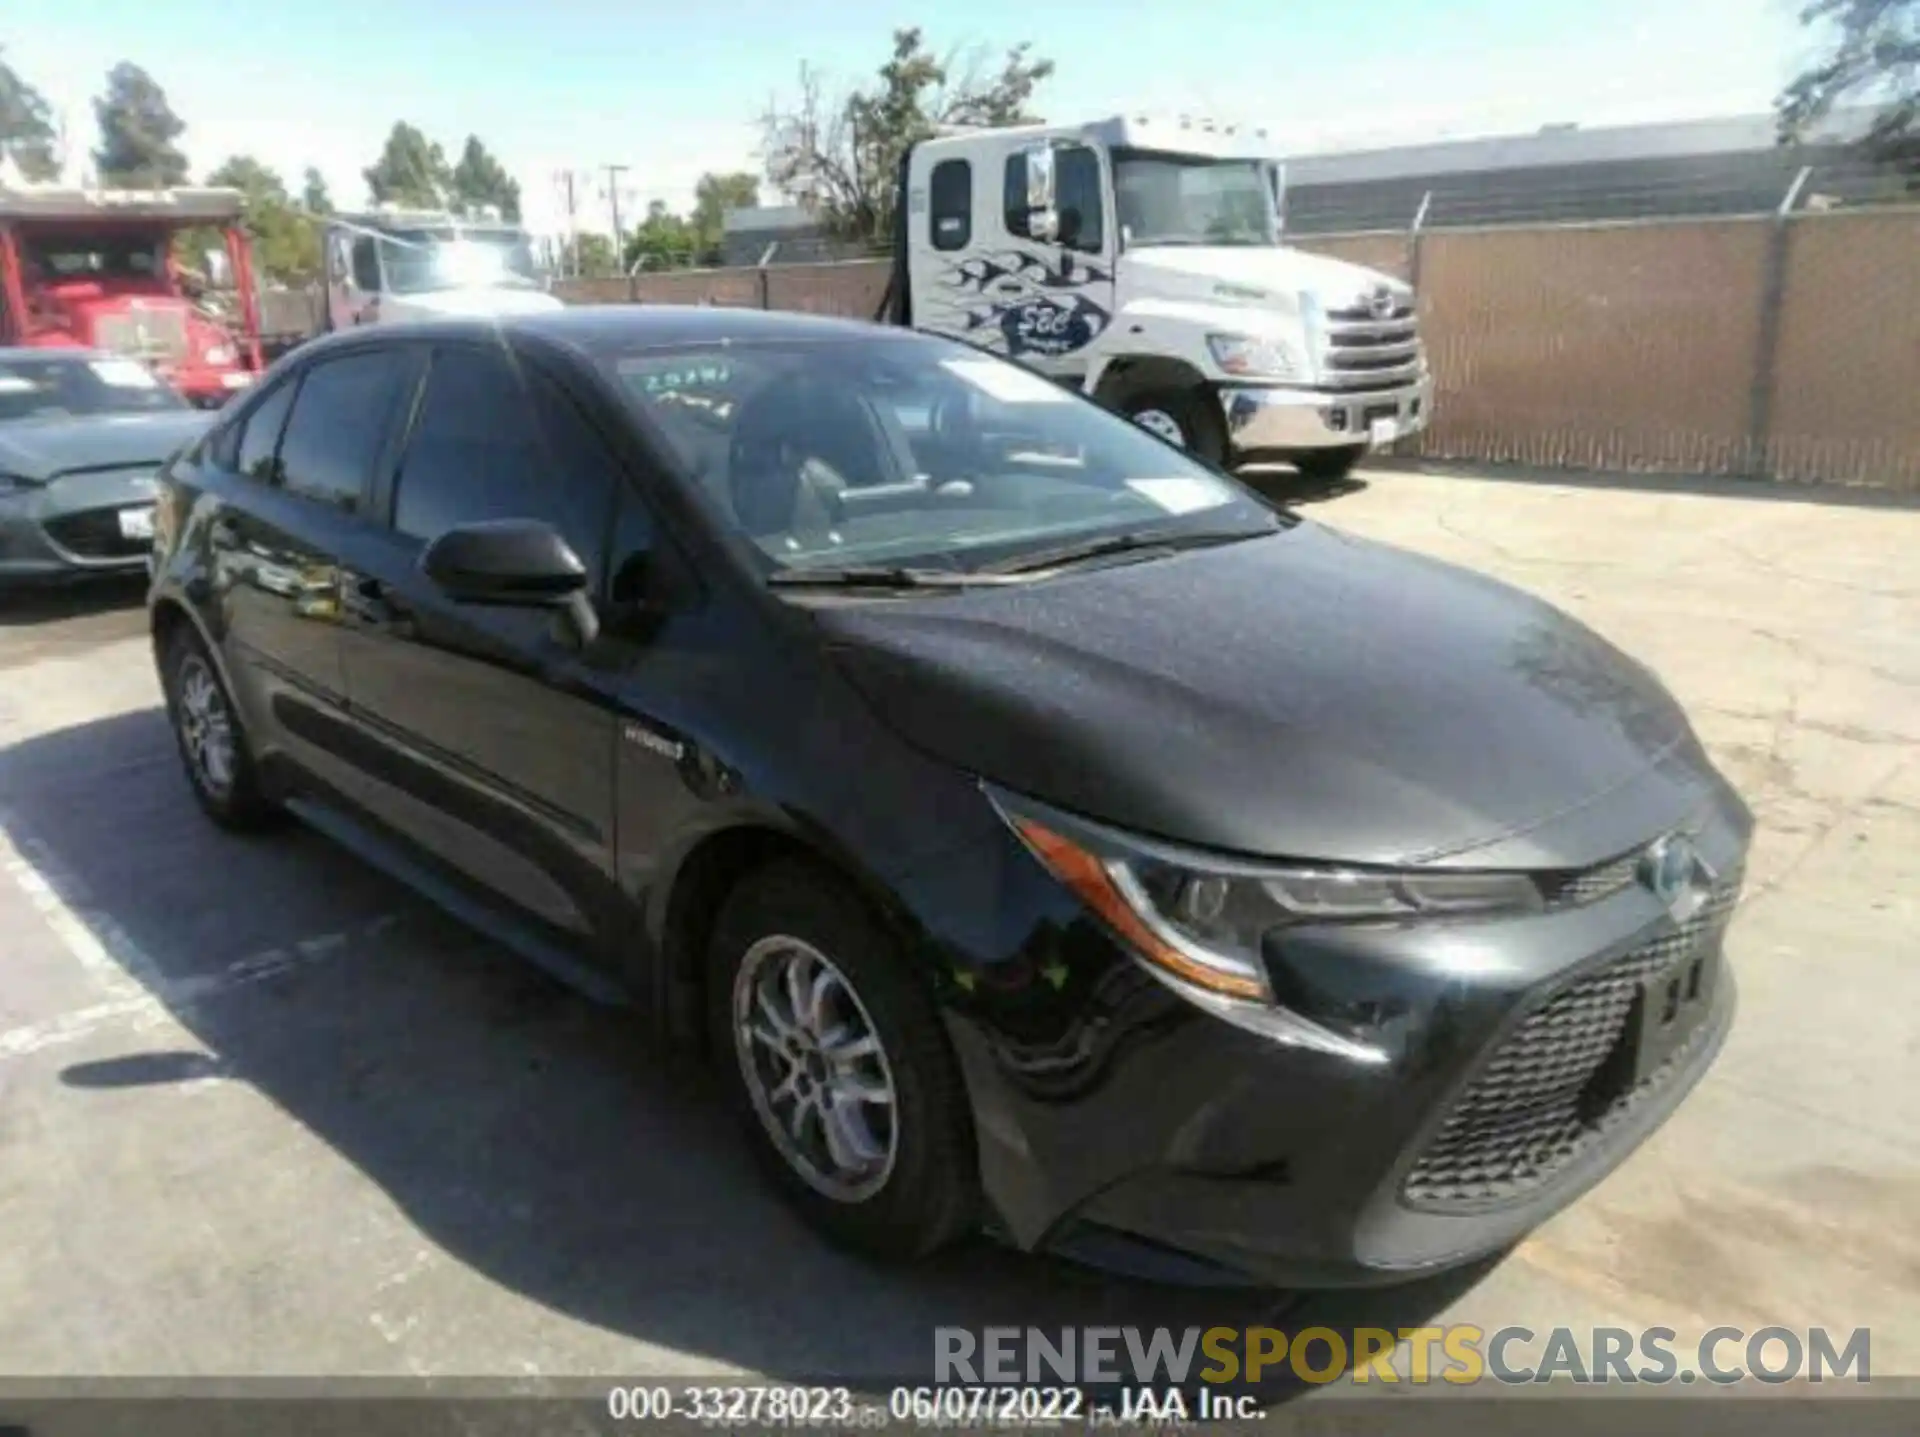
(1254, 357)
(1201, 924)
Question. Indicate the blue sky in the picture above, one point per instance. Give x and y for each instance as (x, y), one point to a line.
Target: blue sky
(672, 89)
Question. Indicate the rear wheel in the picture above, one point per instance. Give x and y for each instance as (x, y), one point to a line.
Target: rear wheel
(213, 747)
(1329, 463)
(837, 1066)
(1187, 418)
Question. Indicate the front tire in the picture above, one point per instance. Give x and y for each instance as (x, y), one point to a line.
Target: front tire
(1189, 419)
(837, 1067)
(213, 746)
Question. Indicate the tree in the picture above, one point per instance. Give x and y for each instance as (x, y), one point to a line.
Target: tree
(1873, 59)
(714, 195)
(26, 125)
(481, 182)
(593, 254)
(137, 132)
(411, 170)
(286, 242)
(314, 196)
(663, 240)
(841, 156)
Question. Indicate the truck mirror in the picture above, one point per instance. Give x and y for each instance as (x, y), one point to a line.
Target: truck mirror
(1043, 222)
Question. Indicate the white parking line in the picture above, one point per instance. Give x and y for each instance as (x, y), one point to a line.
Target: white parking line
(133, 987)
(112, 960)
(180, 996)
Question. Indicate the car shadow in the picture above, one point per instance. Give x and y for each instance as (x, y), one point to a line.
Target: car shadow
(522, 1130)
(76, 599)
(1294, 489)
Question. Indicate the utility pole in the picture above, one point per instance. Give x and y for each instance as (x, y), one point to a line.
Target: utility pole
(570, 247)
(613, 198)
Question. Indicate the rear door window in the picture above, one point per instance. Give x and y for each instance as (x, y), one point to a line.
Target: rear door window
(255, 452)
(339, 426)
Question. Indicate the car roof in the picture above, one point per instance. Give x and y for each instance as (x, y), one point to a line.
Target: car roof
(613, 328)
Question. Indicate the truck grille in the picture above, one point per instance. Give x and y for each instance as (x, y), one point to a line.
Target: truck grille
(144, 333)
(1549, 1094)
(1371, 352)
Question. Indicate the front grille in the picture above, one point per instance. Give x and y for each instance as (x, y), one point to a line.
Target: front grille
(141, 332)
(1549, 1093)
(95, 534)
(1371, 352)
(1589, 885)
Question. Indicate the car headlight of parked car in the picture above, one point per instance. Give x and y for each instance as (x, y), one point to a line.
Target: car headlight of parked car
(1199, 924)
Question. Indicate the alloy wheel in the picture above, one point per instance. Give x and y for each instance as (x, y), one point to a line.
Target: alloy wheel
(206, 726)
(815, 1069)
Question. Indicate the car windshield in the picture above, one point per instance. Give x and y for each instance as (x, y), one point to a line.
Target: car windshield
(1182, 199)
(70, 387)
(418, 261)
(919, 454)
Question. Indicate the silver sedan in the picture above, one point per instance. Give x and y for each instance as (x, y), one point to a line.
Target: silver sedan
(82, 434)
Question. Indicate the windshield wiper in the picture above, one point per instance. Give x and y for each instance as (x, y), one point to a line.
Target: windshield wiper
(877, 576)
(1129, 543)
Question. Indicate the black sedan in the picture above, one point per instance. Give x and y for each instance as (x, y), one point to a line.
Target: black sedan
(1038, 829)
(82, 435)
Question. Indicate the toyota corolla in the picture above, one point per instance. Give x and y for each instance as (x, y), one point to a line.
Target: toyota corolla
(1040, 831)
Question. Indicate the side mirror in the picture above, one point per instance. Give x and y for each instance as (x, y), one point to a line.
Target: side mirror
(517, 562)
(1043, 222)
(512, 563)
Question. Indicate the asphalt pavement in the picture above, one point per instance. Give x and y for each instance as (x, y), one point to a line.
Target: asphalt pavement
(264, 1112)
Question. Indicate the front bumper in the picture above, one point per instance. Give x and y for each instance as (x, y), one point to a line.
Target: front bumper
(1132, 1117)
(1280, 420)
(73, 527)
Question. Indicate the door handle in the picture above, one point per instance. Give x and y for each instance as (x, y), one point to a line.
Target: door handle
(370, 600)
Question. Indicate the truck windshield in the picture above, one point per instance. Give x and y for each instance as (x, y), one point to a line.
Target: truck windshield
(53, 258)
(918, 456)
(69, 386)
(418, 261)
(1185, 199)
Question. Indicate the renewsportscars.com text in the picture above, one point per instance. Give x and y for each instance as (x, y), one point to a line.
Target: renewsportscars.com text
(1459, 1354)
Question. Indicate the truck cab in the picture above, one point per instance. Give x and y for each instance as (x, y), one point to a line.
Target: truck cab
(95, 269)
(1140, 259)
(394, 264)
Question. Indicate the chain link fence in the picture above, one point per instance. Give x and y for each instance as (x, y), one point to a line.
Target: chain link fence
(1781, 345)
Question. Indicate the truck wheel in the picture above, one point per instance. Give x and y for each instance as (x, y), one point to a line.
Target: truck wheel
(1185, 418)
(1329, 464)
(838, 1067)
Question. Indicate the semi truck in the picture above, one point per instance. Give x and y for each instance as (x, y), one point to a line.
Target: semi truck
(392, 264)
(96, 269)
(1140, 259)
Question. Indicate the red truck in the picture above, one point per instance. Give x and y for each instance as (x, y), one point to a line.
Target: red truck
(96, 269)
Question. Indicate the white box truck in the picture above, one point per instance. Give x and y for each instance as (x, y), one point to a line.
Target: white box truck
(1140, 259)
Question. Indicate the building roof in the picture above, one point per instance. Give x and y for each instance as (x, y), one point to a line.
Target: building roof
(1733, 165)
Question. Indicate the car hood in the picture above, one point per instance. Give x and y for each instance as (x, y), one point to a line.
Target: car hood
(42, 448)
(1306, 695)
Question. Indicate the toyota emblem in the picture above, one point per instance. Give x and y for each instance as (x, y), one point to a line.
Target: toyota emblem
(1676, 874)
